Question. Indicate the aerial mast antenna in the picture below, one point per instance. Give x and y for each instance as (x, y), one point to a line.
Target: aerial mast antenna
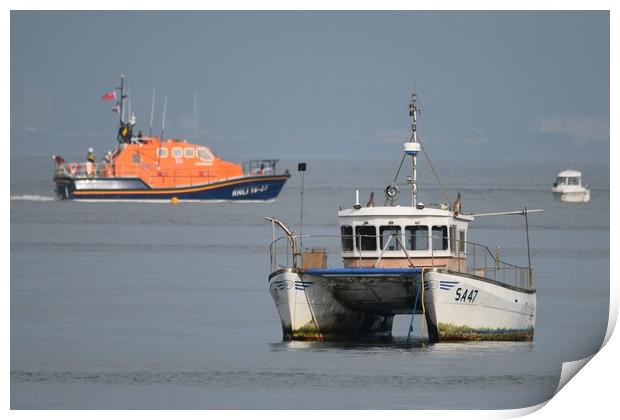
(413, 146)
(152, 111)
(163, 126)
(301, 168)
(129, 105)
(163, 119)
(122, 96)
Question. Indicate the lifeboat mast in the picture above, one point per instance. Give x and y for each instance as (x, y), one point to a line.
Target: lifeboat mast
(121, 99)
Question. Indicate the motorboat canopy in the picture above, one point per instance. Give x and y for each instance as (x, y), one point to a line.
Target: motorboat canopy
(568, 177)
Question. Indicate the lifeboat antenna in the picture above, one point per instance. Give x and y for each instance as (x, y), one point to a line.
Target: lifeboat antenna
(152, 110)
(129, 105)
(163, 126)
(122, 96)
(163, 118)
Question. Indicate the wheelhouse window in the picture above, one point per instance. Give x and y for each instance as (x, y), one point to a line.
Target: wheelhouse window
(440, 238)
(204, 154)
(189, 152)
(462, 240)
(347, 238)
(162, 153)
(366, 238)
(453, 238)
(561, 180)
(416, 238)
(573, 180)
(387, 232)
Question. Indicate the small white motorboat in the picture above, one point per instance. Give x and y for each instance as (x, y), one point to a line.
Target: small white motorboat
(568, 187)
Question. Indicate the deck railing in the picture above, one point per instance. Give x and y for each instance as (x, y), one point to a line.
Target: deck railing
(469, 257)
(260, 167)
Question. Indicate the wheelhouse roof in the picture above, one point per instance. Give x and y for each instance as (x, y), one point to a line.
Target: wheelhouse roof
(402, 211)
(569, 172)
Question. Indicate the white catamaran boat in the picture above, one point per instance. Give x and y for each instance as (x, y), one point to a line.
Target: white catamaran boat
(568, 187)
(412, 259)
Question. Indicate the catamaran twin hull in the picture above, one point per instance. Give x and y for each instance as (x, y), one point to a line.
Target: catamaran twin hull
(353, 303)
(250, 188)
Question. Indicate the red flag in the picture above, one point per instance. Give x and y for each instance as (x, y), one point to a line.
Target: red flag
(110, 96)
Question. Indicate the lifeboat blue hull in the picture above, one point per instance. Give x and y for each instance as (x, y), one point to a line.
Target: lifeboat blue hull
(251, 188)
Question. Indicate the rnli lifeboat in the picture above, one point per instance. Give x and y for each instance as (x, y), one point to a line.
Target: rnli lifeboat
(149, 168)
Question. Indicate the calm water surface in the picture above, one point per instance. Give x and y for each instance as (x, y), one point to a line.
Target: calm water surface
(137, 305)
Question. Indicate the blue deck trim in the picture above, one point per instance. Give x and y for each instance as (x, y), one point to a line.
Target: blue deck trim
(360, 271)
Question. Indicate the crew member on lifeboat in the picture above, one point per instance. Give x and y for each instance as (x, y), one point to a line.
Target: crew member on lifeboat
(124, 133)
(90, 162)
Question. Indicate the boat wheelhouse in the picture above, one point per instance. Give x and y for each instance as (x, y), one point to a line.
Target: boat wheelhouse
(400, 259)
(378, 236)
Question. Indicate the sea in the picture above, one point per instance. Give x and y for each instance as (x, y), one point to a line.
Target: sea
(162, 306)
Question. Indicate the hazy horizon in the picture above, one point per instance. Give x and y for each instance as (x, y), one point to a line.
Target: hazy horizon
(492, 85)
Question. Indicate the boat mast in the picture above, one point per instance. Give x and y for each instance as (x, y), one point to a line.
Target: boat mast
(413, 146)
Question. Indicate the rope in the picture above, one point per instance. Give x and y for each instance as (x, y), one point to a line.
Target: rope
(423, 307)
(316, 324)
(415, 306)
(396, 176)
(398, 171)
(434, 172)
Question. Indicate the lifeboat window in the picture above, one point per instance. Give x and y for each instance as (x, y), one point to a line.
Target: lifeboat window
(347, 238)
(387, 232)
(136, 158)
(416, 238)
(440, 238)
(189, 152)
(163, 152)
(204, 154)
(177, 152)
(366, 238)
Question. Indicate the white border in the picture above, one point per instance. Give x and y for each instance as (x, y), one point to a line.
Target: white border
(592, 395)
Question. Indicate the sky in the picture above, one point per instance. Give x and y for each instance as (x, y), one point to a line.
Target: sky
(492, 85)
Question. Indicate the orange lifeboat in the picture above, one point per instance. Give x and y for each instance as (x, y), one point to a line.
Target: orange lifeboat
(147, 168)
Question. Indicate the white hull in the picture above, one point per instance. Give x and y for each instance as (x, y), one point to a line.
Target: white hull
(463, 307)
(457, 307)
(576, 195)
(308, 311)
